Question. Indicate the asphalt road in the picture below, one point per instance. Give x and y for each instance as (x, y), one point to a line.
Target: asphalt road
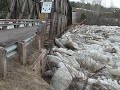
(8, 37)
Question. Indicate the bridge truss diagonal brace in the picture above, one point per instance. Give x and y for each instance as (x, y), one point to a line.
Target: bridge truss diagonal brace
(3, 63)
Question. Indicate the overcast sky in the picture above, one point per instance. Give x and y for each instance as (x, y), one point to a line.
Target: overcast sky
(107, 3)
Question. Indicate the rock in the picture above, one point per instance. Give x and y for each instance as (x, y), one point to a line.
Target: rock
(75, 73)
(89, 52)
(71, 45)
(95, 55)
(58, 43)
(115, 72)
(95, 42)
(61, 79)
(90, 64)
(58, 54)
(49, 73)
(54, 58)
(62, 50)
(77, 84)
(111, 83)
(98, 86)
(118, 64)
(110, 50)
(72, 61)
(105, 34)
(98, 31)
(114, 39)
(52, 64)
(117, 50)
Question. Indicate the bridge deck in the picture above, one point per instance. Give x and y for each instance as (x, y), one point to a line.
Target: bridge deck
(8, 37)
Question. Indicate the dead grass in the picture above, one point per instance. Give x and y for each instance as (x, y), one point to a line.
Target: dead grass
(22, 78)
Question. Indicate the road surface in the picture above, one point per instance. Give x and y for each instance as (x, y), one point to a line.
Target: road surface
(8, 37)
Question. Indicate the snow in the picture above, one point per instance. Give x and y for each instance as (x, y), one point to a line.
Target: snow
(97, 47)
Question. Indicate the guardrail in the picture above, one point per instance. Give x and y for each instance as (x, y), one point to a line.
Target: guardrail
(17, 23)
(53, 27)
(12, 50)
(19, 48)
(42, 38)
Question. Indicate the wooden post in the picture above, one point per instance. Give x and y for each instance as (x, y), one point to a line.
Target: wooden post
(38, 63)
(54, 26)
(51, 26)
(22, 52)
(37, 42)
(42, 34)
(3, 63)
(59, 25)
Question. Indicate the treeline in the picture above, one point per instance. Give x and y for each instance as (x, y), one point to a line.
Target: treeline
(96, 13)
(93, 6)
(4, 8)
(4, 4)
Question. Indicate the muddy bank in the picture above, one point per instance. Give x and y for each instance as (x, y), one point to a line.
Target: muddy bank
(23, 77)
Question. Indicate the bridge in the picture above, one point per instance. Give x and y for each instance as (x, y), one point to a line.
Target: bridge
(11, 35)
(18, 35)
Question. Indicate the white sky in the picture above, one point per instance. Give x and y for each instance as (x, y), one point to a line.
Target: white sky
(107, 3)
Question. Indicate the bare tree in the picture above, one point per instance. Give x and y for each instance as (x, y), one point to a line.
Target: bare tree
(112, 4)
(83, 1)
(98, 3)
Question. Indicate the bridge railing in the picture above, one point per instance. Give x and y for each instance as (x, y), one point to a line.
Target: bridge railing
(43, 37)
(20, 49)
(55, 25)
(17, 23)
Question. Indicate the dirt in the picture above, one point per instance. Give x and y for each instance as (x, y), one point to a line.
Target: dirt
(22, 78)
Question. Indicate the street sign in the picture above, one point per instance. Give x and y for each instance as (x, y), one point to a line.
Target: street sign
(47, 7)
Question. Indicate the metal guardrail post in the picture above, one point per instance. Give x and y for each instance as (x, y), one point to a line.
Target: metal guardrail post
(22, 52)
(3, 64)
